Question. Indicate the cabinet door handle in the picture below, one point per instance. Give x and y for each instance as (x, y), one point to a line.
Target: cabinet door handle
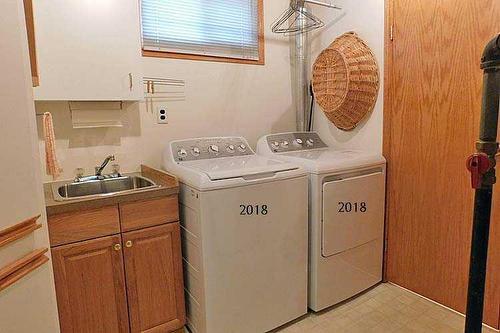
(131, 81)
(117, 247)
(128, 243)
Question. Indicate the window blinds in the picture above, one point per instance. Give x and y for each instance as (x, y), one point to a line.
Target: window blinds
(223, 28)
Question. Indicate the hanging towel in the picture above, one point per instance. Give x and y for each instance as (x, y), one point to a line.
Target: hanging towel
(52, 165)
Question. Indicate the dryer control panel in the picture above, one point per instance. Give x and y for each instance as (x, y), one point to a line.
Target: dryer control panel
(298, 141)
(208, 148)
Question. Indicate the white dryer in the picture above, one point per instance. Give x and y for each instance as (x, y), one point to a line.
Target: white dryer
(346, 214)
(244, 228)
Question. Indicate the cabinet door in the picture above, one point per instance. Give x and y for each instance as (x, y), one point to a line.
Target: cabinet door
(88, 50)
(90, 286)
(155, 288)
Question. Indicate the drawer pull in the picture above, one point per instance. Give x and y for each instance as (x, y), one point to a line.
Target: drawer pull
(128, 243)
(117, 247)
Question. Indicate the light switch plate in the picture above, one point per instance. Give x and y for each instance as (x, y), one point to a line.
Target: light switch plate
(161, 114)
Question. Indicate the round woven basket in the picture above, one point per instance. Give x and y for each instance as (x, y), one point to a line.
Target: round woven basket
(345, 81)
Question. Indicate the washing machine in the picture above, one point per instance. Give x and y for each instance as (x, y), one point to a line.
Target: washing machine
(244, 225)
(346, 214)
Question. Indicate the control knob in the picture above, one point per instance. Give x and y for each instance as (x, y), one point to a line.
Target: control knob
(298, 142)
(214, 149)
(182, 153)
(309, 142)
(242, 148)
(195, 151)
(284, 144)
(230, 149)
(275, 144)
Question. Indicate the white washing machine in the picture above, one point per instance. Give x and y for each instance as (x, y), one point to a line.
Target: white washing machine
(244, 234)
(346, 214)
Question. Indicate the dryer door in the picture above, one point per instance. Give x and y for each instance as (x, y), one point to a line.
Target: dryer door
(353, 212)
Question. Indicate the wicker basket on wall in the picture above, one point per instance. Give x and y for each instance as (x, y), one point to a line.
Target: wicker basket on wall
(346, 81)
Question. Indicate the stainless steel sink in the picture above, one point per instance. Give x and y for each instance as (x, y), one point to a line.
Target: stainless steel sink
(100, 187)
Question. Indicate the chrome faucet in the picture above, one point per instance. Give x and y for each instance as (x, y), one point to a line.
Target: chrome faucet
(98, 170)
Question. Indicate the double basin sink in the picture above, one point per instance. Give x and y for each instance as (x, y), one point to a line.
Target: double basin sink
(100, 187)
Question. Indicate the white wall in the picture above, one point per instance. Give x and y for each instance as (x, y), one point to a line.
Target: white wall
(223, 99)
(366, 18)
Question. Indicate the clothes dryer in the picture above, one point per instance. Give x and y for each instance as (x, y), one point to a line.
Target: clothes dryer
(346, 214)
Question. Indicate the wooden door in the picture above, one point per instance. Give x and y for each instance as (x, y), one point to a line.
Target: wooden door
(153, 266)
(433, 103)
(90, 286)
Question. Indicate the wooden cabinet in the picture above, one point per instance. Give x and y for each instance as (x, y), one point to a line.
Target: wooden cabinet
(119, 281)
(90, 286)
(88, 50)
(153, 265)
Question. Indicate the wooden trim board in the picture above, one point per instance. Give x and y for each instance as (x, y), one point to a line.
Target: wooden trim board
(18, 269)
(30, 29)
(185, 56)
(166, 178)
(388, 54)
(20, 230)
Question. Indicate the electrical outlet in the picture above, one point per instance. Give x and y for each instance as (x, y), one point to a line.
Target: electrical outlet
(161, 115)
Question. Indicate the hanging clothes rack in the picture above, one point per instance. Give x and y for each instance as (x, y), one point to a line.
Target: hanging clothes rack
(165, 89)
(297, 20)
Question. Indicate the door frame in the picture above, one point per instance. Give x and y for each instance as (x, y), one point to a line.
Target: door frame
(387, 111)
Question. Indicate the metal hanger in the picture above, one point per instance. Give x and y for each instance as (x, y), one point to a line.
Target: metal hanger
(324, 4)
(296, 19)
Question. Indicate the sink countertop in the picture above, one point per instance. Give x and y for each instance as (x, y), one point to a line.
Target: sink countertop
(168, 185)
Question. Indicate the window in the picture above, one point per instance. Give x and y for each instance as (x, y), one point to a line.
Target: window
(217, 30)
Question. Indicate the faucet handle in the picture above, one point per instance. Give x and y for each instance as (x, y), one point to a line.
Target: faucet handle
(116, 169)
(79, 172)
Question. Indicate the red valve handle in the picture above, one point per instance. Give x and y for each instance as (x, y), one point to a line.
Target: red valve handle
(478, 165)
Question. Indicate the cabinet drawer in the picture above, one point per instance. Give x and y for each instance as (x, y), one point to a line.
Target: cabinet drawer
(82, 225)
(141, 214)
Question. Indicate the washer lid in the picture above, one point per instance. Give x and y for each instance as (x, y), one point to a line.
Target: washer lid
(246, 167)
(329, 160)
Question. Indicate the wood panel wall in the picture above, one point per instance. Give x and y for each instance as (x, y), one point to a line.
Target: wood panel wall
(433, 103)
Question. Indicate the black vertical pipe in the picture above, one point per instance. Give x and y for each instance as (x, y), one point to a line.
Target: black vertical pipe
(479, 256)
(488, 145)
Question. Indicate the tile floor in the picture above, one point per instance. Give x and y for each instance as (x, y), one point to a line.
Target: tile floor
(385, 308)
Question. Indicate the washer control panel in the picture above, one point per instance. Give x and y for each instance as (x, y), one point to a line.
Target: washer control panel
(208, 148)
(287, 142)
